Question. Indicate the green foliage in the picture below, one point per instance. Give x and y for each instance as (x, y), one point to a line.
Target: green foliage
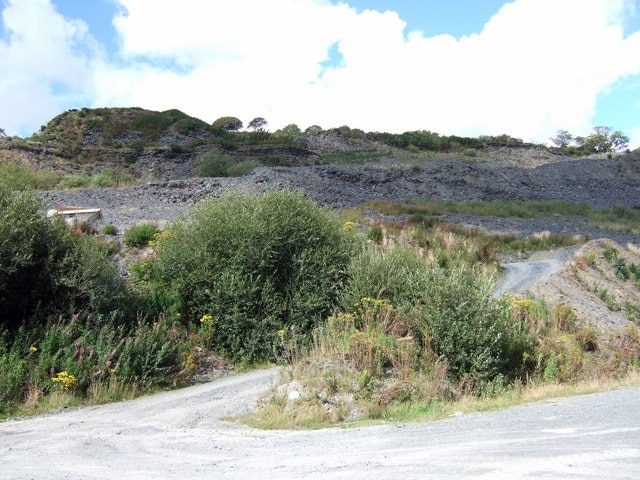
(18, 177)
(431, 141)
(375, 234)
(140, 235)
(292, 130)
(313, 130)
(242, 168)
(470, 152)
(75, 180)
(110, 177)
(601, 140)
(258, 124)
(456, 316)
(136, 145)
(228, 123)
(45, 269)
(465, 325)
(28, 248)
(84, 354)
(214, 164)
(109, 229)
(190, 125)
(257, 265)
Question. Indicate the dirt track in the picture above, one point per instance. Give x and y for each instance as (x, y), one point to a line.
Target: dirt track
(179, 434)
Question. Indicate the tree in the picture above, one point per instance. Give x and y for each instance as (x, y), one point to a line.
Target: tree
(228, 123)
(601, 140)
(2, 132)
(313, 130)
(292, 130)
(258, 124)
(562, 139)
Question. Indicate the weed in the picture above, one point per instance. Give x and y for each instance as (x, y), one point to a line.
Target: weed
(140, 235)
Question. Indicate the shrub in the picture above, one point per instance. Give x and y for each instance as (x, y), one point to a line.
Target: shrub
(242, 168)
(45, 269)
(257, 265)
(140, 235)
(75, 180)
(110, 177)
(17, 177)
(454, 313)
(375, 234)
(109, 229)
(465, 325)
(84, 354)
(470, 152)
(214, 164)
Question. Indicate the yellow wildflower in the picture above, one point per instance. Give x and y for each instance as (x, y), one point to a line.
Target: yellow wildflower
(66, 380)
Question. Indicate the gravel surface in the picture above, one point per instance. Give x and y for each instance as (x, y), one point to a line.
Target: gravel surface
(180, 434)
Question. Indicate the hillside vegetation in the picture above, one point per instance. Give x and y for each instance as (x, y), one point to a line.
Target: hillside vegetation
(378, 310)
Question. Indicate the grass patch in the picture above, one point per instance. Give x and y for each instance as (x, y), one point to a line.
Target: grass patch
(619, 216)
(350, 157)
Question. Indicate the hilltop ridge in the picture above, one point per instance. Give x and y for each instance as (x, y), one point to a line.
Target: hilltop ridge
(168, 145)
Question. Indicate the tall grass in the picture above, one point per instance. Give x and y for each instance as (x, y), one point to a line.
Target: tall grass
(616, 218)
(93, 358)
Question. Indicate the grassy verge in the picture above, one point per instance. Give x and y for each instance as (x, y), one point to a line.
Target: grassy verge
(272, 417)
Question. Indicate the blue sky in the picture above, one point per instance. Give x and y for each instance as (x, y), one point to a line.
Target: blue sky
(466, 67)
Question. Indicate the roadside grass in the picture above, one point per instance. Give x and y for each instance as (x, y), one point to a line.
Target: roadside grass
(273, 416)
(386, 360)
(513, 397)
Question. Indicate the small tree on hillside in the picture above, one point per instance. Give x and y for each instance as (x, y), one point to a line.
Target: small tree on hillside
(562, 139)
(228, 123)
(313, 130)
(601, 140)
(2, 132)
(258, 124)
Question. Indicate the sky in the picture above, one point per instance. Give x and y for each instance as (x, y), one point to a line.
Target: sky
(526, 68)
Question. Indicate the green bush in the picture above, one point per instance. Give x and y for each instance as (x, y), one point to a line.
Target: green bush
(452, 308)
(257, 265)
(45, 269)
(109, 229)
(242, 168)
(465, 325)
(375, 234)
(110, 177)
(214, 164)
(17, 177)
(75, 180)
(140, 235)
(97, 353)
(470, 152)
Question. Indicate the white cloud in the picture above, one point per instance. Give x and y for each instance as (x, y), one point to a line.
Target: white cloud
(44, 64)
(536, 67)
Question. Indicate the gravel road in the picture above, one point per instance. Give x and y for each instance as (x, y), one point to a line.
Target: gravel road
(519, 276)
(179, 434)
